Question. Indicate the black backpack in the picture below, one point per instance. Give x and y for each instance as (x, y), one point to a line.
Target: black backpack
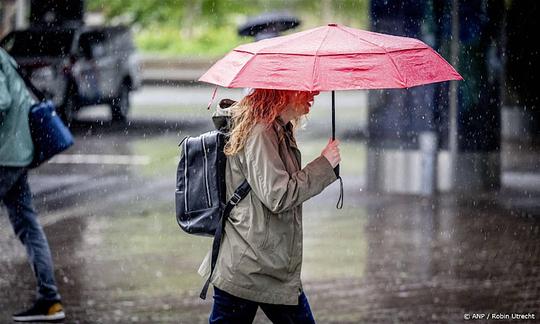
(202, 207)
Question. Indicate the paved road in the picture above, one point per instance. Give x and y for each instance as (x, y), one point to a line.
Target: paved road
(107, 208)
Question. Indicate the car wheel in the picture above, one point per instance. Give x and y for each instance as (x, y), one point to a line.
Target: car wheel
(120, 105)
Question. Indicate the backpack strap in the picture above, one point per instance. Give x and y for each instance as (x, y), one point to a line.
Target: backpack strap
(239, 194)
(35, 91)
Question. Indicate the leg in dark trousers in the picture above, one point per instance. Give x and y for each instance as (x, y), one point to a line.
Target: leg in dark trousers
(231, 309)
(15, 194)
(287, 314)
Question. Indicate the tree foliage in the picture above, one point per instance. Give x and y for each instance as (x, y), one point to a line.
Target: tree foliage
(208, 27)
(222, 12)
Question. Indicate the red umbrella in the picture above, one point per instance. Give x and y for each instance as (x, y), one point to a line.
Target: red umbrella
(328, 58)
(332, 57)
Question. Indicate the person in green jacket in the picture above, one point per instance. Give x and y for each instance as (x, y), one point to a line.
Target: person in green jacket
(260, 258)
(16, 153)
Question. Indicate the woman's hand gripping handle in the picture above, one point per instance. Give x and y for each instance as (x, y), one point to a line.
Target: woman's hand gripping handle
(331, 153)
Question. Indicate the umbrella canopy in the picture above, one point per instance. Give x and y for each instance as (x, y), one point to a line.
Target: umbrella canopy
(332, 57)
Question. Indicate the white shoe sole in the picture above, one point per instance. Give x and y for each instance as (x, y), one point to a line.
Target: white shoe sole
(33, 318)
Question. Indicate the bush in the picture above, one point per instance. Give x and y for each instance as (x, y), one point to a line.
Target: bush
(209, 42)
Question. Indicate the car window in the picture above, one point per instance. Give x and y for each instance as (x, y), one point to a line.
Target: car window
(38, 43)
(92, 44)
(121, 39)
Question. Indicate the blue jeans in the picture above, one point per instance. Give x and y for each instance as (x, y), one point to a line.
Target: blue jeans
(16, 196)
(235, 310)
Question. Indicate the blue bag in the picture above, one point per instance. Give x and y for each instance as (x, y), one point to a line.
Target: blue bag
(49, 134)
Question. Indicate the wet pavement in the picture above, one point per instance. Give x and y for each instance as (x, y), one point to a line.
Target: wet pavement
(120, 257)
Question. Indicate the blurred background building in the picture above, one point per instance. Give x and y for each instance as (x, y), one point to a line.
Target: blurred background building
(489, 44)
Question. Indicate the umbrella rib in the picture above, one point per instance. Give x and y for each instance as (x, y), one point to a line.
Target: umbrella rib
(243, 68)
(364, 40)
(384, 49)
(316, 57)
(403, 80)
(391, 59)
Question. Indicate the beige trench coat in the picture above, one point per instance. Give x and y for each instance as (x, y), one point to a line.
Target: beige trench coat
(261, 252)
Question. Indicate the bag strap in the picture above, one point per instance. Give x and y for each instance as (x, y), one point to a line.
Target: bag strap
(239, 194)
(39, 95)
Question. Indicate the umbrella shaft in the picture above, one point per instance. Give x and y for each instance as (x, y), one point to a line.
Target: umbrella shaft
(333, 115)
(336, 169)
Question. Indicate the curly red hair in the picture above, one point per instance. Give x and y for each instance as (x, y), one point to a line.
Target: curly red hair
(260, 106)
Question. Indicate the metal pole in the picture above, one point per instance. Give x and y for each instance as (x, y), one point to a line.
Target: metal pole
(453, 114)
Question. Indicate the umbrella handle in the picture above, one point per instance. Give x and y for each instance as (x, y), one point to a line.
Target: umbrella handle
(336, 169)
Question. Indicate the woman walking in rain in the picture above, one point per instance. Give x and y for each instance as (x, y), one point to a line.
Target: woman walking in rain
(16, 153)
(260, 258)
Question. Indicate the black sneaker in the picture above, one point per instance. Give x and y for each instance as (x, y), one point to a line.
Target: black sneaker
(42, 311)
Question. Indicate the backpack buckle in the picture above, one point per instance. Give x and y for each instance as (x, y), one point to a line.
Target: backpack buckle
(235, 199)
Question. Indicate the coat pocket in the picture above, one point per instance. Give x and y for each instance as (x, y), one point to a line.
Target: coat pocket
(278, 234)
(264, 242)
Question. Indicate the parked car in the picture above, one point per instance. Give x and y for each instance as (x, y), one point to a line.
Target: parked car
(79, 67)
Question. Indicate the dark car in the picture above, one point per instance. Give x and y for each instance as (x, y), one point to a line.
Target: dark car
(78, 67)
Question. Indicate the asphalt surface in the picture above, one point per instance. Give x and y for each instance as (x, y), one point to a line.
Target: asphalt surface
(107, 208)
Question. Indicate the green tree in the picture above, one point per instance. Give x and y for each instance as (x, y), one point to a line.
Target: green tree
(209, 26)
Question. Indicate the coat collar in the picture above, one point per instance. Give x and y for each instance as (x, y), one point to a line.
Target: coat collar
(287, 131)
(280, 121)
(286, 126)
